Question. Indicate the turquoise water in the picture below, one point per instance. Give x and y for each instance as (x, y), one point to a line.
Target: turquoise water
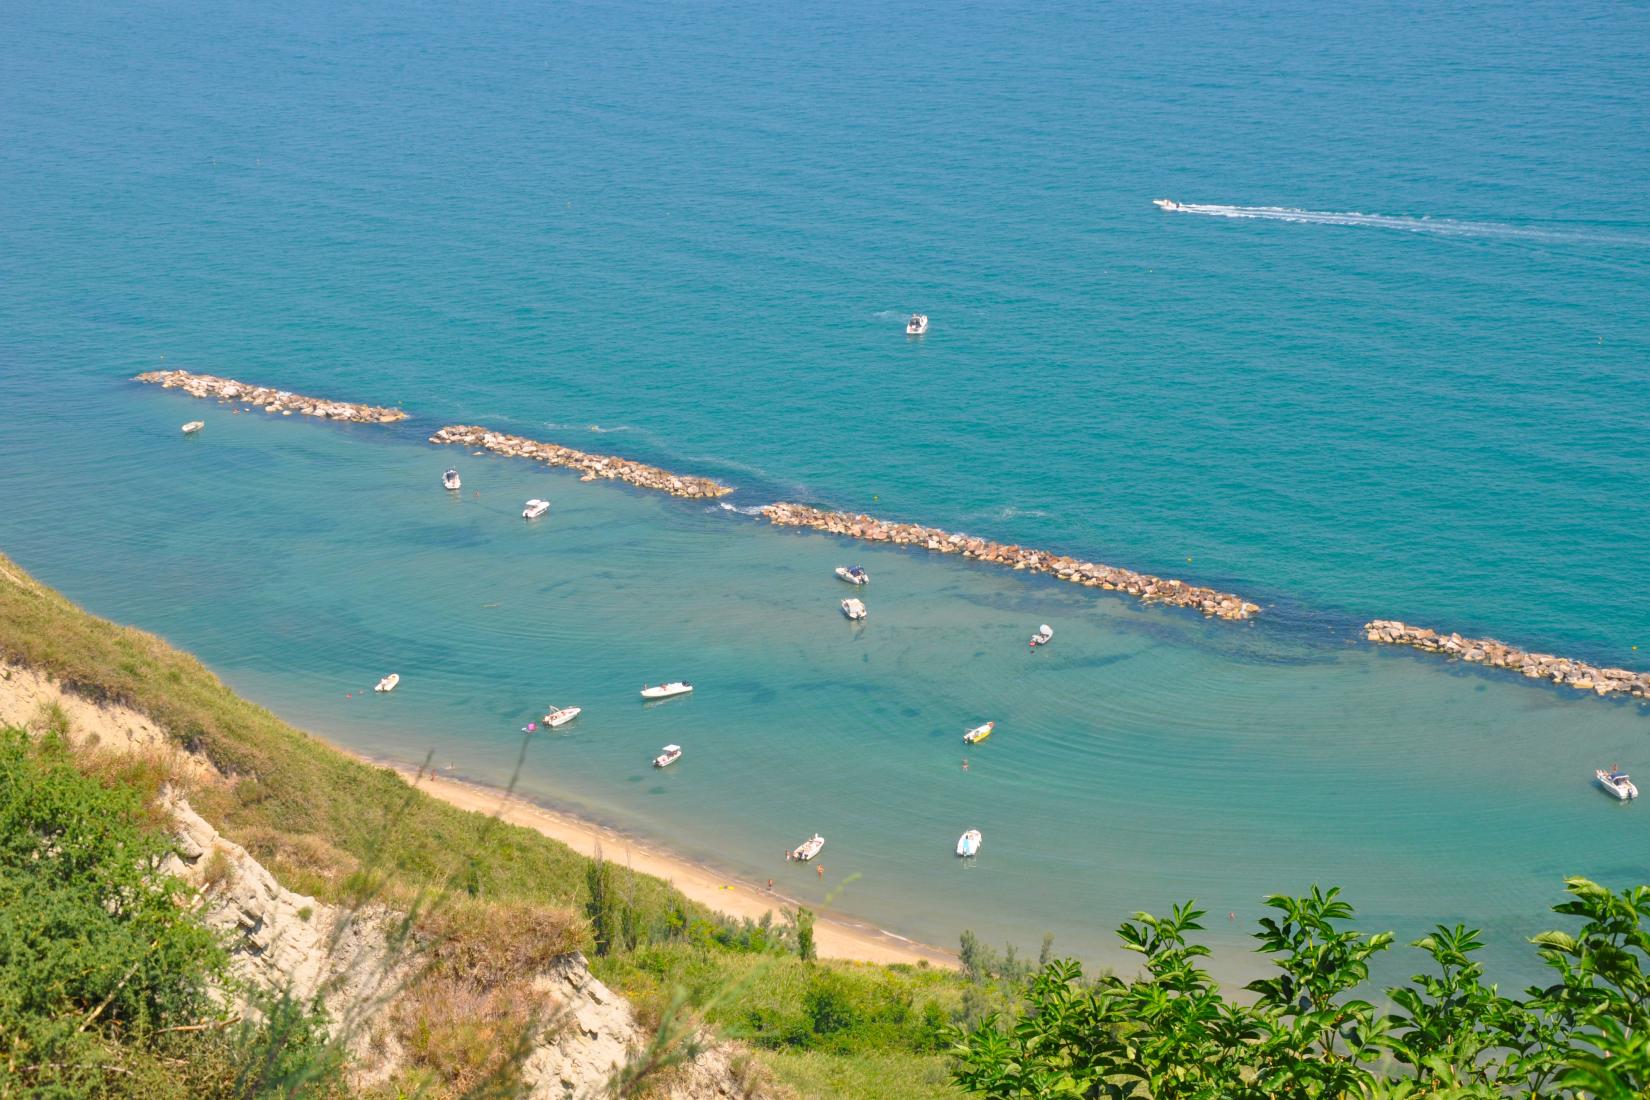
(699, 230)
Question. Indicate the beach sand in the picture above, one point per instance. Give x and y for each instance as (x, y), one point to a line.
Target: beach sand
(836, 937)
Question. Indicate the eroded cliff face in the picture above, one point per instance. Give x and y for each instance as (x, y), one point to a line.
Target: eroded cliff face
(361, 962)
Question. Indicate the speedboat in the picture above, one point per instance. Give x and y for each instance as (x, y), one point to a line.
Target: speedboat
(388, 683)
(666, 691)
(1044, 635)
(450, 480)
(917, 325)
(854, 609)
(1166, 204)
(853, 574)
(1616, 782)
(193, 426)
(669, 756)
(535, 508)
(808, 849)
(560, 716)
(969, 843)
(979, 733)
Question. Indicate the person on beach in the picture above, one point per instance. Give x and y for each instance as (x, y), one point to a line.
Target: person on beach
(770, 886)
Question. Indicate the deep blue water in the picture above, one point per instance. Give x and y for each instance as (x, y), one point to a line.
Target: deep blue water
(699, 228)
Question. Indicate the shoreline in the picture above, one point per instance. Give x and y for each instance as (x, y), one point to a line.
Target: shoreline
(835, 936)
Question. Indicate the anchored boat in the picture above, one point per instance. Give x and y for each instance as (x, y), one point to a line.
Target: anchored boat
(1616, 782)
(560, 716)
(666, 691)
(808, 849)
(450, 480)
(969, 843)
(669, 756)
(1044, 635)
(193, 426)
(917, 325)
(535, 508)
(854, 609)
(979, 733)
(853, 574)
(388, 683)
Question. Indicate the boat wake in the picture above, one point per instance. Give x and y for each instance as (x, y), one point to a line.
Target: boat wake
(554, 426)
(1448, 227)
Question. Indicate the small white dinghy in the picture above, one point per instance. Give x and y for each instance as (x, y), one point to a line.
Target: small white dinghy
(969, 843)
(560, 716)
(388, 683)
(450, 480)
(854, 609)
(978, 733)
(669, 756)
(193, 426)
(808, 849)
(853, 574)
(667, 691)
(917, 325)
(1044, 635)
(1166, 204)
(535, 508)
(1616, 782)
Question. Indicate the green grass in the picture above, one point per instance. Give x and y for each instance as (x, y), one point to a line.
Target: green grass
(875, 1076)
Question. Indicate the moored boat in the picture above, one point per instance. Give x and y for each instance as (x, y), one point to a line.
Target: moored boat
(969, 843)
(917, 325)
(193, 426)
(535, 508)
(1615, 781)
(853, 574)
(669, 756)
(979, 733)
(666, 691)
(1044, 635)
(560, 716)
(451, 480)
(388, 683)
(854, 609)
(808, 849)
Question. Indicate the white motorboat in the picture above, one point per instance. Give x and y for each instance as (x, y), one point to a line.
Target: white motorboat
(666, 691)
(1044, 635)
(193, 426)
(560, 716)
(969, 843)
(388, 683)
(853, 574)
(1616, 782)
(451, 480)
(854, 609)
(1166, 204)
(535, 508)
(808, 849)
(917, 325)
(978, 733)
(669, 756)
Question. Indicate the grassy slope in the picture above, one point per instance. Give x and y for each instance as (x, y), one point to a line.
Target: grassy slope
(317, 816)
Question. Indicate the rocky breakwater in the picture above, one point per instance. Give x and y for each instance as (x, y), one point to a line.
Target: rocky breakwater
(270, 400)
(593, 466)
(1537, 666)
(1220, 605)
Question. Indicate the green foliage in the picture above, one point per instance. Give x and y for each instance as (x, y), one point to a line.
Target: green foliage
(805, 949)
(1170, 1033)
(104, 971)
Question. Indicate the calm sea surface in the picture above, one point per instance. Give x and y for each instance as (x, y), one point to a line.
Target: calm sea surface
(1395, 365)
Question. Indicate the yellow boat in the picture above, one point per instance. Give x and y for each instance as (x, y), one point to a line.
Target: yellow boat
(979, 733)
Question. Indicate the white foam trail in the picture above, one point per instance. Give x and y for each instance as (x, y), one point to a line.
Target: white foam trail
(893, 315)
(555, 426)
(1442, 226)
(747, 510)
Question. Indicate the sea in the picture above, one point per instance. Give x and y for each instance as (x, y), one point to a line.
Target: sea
(1391, 361)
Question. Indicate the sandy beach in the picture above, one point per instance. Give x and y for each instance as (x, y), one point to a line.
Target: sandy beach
(836, 937)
